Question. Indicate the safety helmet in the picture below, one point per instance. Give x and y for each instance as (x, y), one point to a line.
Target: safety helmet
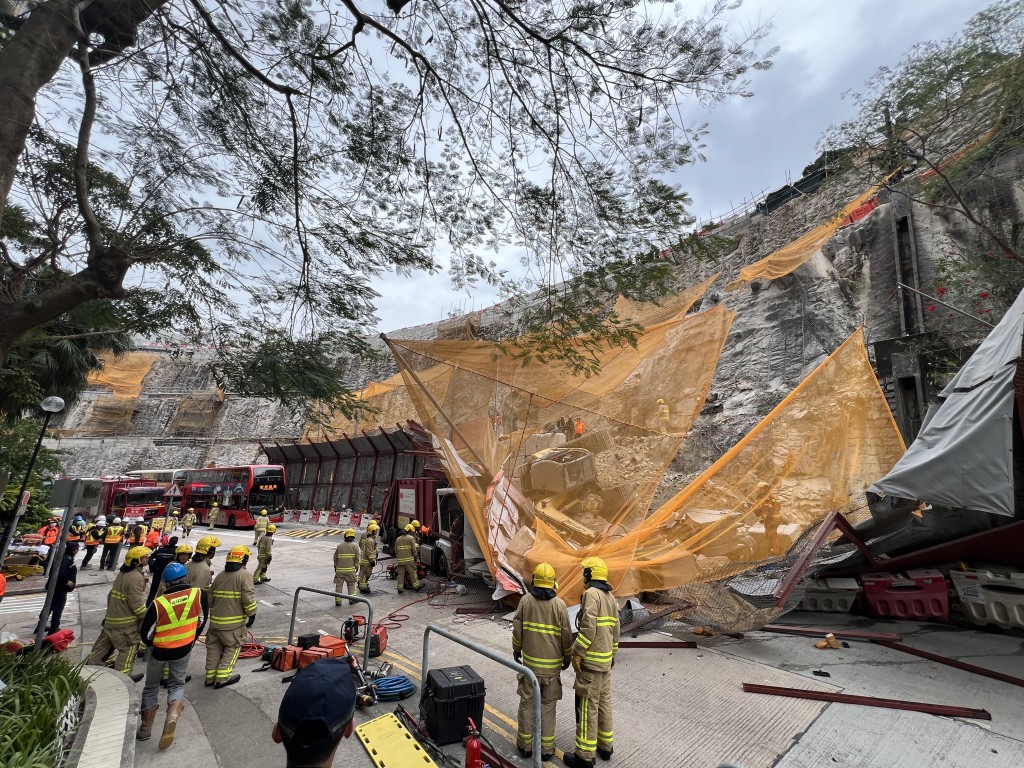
(350, 533)
(415, 523)
(205, 544)
(544, 576)
(238, 554)
(183, 549)
(596, 568)
(175, 572)
(216, 504)
(263, 511)
(409, 528)
(135, 555)
(101, 520)
(191, 509)
(175, 512)
(372, 528)
(762, 484)
(660, 401)
(117, 521)
(271, 529)
(79, 519)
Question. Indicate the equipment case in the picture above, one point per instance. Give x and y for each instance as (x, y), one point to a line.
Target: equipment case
(450, 696)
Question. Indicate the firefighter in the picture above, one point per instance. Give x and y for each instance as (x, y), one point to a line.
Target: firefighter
(174, 519)
(171, 626)
(214, 515)
(187, 522)
(593, 656)
(94, 534)
(261, 527)
(232, 610)
(406, 555)
(769, 512)
(542, 641)
(346, 556)
(126, 605)
(663, 417)
(111, 544)
(264, 555)
(159, 560)
(182, 555)
(417, 534)
(367, 556)
(199, 572)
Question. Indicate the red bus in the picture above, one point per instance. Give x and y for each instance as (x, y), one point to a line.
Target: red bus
(241, 492)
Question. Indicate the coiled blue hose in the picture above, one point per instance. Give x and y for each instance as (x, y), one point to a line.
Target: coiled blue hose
(394, 688)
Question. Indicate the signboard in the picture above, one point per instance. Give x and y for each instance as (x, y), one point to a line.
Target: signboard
(88, 496)
(174, 492)
(407, 502)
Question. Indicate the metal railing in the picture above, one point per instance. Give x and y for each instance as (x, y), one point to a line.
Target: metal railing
(337, 595)
(493, 656)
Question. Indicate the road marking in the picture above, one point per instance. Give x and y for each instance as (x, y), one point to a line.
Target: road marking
(307, 533)
(29, 603)
(269, 605)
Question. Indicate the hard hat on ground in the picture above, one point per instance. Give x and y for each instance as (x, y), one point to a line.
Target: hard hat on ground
(205, 544)
(135, 555)
(409, 528)
(183, 548)
(263, 511)
(415, 523)
(350, 533)
(544, 576)
(175, 572)
(238, 554)
(117, 521)
(372, 528)
(597, 568)
(271, 529)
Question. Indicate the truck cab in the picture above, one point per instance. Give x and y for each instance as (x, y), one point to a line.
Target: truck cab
(435, 505)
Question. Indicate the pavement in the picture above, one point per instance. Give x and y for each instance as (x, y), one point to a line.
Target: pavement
(673, 707)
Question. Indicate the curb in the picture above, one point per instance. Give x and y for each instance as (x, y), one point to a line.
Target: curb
(111, 695)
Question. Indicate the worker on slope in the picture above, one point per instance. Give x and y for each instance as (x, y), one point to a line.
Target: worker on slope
(214, 515)
(346, 559)
(593, 656)
(264, 556)
(542, 641)
(111, 544)
(187, 521)
(126, 605)
(200, 574)
(171, 626)
(232, 610)
(261, 527)
(367, 556)
(406, 555)
(769, 511)
(663, 417)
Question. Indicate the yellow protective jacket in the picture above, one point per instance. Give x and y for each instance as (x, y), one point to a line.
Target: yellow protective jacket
(345, 558)
(233, 599)
(114, 534)
(261, 524)
(597, 639)
(540, 630)
(188, 520)
(367, 548)
(406, 551)
(200, 575)
(126, 603)
(263, 551)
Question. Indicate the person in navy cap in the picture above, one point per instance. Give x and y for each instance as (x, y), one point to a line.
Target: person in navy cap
(316, 713)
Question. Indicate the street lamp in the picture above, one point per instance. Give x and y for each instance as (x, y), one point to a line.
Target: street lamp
(50, 406)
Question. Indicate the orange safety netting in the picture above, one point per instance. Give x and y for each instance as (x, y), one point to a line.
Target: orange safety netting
(800, 251)
(123, 375)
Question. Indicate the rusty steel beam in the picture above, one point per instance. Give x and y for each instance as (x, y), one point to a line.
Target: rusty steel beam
(842, 634)
(679, 605)
(955, 663)
(659, 644)
(788, 582)
(946, 710)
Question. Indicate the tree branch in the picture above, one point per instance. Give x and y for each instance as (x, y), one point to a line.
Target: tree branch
(93, 230)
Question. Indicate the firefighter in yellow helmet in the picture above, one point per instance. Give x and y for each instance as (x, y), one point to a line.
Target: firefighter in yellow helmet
(367, 556)
(126, 605)
(406, 555)
(417, 533)
(232, 610)
(593, 656)
(264, 555)
(346, 559)
(663, 417)
(187, 521)
(262, 521)
(214, 515)
(182, 555)
(542, 641)
(200, 574)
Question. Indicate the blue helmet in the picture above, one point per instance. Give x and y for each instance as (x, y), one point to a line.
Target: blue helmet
(175, 572)
(79, 519)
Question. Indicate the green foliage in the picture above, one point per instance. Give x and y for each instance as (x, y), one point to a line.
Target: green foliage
(17, 442)
(39, 686)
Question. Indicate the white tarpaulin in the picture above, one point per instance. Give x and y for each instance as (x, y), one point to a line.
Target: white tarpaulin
(963, 456)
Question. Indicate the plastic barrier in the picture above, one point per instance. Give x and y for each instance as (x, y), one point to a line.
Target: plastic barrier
(333, 518)
(345, 519)
(294, 515)
(369, 623)
(314, 517)
(304, 516)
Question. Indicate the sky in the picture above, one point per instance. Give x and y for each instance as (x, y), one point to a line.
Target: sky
(826, 49)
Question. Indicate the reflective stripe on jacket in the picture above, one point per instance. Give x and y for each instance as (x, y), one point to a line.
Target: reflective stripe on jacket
(405, 549)
(114, 535)
(540, 629)
(367, 549)
(233, 599)
(261, 523)
(126, 603)
(177, 619)
(76, 531)
(345, 557)
(598, 638)
(263, 551)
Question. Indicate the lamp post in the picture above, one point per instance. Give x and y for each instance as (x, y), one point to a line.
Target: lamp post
(50, 406)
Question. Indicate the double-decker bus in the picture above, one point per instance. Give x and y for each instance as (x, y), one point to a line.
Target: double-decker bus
(241, 492)
(165, 478)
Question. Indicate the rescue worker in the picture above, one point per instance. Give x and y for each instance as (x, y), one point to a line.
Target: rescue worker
(67, 578)
(578, 428)
(261, 527)
(593, 656)
(367, 556)
(138, 535)
(126, 605)
(94, 534)
(199, 572)
(159, 560)
(214, 515)
(542, 641)
(171, 627)
(187, 522)
(182, 555)
(174, 519)
(153, 538)
(769, 512)
(406, 555)
(111, 544)
(346, 558)
(264, 556)
(50, 532)
(76, 531)
(417, 534)
(232, 609)
(663, 417)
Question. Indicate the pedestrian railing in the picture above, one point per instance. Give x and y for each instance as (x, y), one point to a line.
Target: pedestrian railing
(336, 595)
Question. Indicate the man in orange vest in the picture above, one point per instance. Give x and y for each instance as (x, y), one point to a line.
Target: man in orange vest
(171, 626)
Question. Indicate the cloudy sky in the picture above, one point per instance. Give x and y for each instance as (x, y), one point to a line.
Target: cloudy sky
(827, 48)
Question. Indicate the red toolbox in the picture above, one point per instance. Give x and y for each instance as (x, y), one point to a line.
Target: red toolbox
(920, 594)
(309, 655)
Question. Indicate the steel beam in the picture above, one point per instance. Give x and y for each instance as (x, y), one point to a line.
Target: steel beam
(842, 634)
(680, 605)
(946, 710)
(658, 644)
(955, 663)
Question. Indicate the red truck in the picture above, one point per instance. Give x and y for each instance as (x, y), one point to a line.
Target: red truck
(445, 541)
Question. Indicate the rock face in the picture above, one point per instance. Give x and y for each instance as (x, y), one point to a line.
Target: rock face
(783, 329)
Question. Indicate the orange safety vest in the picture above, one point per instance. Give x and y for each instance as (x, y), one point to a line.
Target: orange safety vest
(76, 531)
(153, 538)
(114, 535)
(49, 534)
(177, 619)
